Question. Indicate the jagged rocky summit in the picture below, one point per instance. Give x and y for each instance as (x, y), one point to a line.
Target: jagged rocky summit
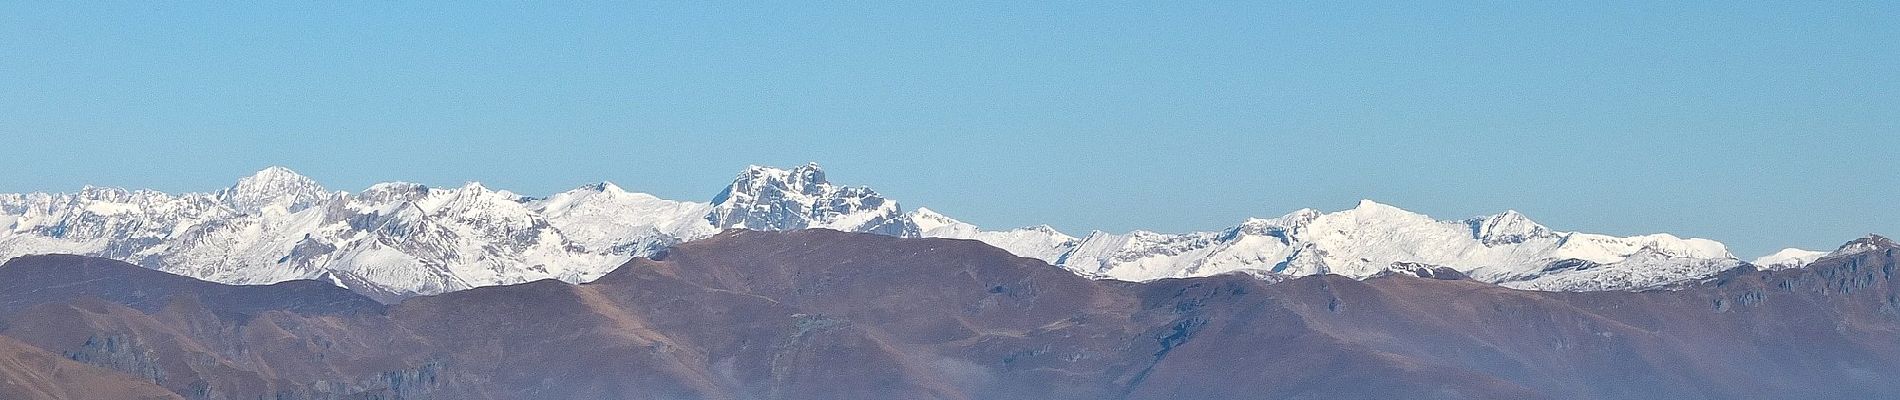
(397, 239)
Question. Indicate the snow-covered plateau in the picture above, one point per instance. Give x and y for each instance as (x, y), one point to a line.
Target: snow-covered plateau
(400, 239)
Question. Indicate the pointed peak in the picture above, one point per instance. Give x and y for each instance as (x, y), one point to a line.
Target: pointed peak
(926, 212)
(926, 216)
(1367, 205)
(273, 186)
(602, 186)
(1869, 243)
(1507, 219)
(276, 169)
(1374, 209)
(276, 174)
(927, 219)
(1507, 227)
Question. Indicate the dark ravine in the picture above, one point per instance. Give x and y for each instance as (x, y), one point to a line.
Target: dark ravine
(818, 314)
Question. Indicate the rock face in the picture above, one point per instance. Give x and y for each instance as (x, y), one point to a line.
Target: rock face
(778, 200)
(825, 314)
(29, 373)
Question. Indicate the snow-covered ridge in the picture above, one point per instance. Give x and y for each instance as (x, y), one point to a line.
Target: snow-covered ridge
(396, 239)
(1862, 245)
(1788, 258)
(1372, 238)
(1040, 242)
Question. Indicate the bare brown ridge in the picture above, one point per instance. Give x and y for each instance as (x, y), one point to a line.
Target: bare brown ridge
(824, 314)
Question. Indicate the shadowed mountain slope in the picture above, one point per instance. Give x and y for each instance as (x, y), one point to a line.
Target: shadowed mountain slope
(826, 314)
(32, 280)
(28, 373)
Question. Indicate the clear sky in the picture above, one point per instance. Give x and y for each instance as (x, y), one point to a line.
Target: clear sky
(1764, 125)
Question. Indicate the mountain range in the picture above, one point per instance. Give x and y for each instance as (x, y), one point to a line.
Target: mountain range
(395, 240)
(822, 314)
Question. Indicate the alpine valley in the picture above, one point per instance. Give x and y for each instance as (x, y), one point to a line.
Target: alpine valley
(396, 240)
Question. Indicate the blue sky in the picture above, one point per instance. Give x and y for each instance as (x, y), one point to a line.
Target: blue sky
(1763, 125)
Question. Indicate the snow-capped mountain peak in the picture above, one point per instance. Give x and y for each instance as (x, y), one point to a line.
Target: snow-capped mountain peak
(765, 198)
(1507, 228)
(273, 186)
(1870, 243)
(1370, 214)
(808, 180)
(604, 217)
(1046, 229)
(1788, 258)
(602, 186)
(1368, 205)
(928, 220)
(474, 188)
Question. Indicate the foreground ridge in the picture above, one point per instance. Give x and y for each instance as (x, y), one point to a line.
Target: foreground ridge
(816, 314)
